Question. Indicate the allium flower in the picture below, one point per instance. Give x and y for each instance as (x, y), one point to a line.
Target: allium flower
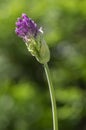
(28, 30)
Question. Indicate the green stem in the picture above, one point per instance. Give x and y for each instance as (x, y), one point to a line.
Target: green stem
(52, 95)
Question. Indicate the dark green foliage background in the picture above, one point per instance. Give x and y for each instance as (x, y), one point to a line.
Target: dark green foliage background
(24, 96)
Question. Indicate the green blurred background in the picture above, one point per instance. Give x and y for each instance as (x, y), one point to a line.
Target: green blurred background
(24, 96)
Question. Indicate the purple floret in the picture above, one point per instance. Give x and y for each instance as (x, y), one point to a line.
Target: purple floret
(26, 27)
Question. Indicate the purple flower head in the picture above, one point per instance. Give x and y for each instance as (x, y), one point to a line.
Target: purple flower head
(26, 28)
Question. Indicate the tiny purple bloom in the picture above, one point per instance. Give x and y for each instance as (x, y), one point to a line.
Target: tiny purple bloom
(27, 28)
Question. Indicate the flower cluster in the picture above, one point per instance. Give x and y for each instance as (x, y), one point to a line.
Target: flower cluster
(28, 30)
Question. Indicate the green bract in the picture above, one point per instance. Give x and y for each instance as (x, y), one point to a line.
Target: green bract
(39, 49)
